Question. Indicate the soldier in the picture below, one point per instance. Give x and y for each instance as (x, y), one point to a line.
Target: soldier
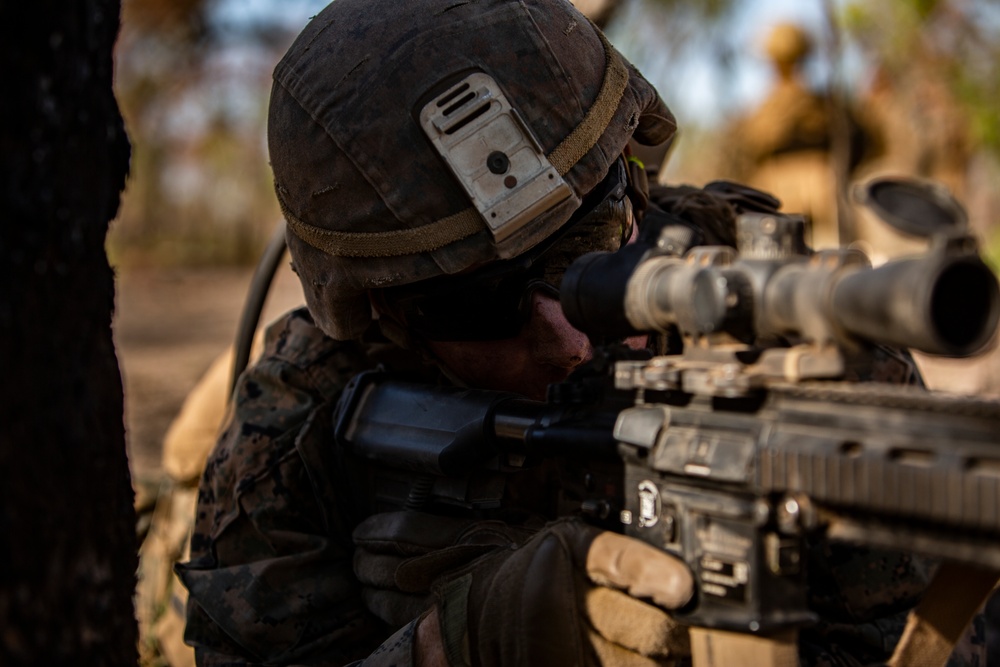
(785, 146)
(440, 164)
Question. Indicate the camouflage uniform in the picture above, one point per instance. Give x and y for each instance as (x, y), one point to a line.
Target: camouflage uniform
(270, 570)
(372, 206)
(271, 578)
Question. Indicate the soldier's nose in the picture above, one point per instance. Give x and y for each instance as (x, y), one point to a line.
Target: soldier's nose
(554, 340)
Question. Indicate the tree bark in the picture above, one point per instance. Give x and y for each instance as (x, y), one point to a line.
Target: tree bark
(67, 526)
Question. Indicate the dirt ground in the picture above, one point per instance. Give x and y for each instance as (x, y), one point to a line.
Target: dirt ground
(169, 326)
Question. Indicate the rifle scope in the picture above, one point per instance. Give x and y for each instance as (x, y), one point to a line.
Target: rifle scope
(946, 302)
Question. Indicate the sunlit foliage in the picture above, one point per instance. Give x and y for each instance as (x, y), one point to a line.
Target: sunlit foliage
(952, 41)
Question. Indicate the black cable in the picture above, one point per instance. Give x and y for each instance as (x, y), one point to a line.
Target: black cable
(260, 285)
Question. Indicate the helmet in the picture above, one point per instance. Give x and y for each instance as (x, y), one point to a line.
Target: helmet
(787, 44)
(416, 139)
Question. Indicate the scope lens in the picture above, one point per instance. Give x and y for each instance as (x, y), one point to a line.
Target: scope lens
(964, 305)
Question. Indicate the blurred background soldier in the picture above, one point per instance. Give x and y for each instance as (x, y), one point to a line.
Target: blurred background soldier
(785, 145)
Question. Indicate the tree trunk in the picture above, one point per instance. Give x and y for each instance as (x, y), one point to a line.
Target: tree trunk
(67, 538)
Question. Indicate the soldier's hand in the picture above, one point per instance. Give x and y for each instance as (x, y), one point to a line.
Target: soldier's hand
(570, 594)
(428, 546)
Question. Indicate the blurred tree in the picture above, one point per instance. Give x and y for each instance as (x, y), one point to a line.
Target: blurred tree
(161, 46)
(935, 97)
(599, 11)
(193, 91)
(182, 19)
(934, 85)
(708, 10)
(671, 26)
(952, 44)
(67, 524)
(660, 36)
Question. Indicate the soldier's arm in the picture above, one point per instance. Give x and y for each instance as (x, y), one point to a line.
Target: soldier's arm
(270, 576)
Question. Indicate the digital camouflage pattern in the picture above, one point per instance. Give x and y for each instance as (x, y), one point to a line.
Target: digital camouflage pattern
(271, 577)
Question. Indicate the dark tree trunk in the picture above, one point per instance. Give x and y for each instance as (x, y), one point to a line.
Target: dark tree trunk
(67, 541)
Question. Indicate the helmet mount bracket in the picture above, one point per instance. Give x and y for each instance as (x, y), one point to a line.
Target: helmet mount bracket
(493, 154)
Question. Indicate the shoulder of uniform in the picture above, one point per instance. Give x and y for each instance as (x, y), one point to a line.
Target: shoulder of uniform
(295, 339)
(299, 358)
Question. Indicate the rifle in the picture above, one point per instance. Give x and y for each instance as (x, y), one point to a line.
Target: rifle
(749, 441)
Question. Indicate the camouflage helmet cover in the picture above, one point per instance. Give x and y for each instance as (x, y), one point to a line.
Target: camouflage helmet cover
(352, 165)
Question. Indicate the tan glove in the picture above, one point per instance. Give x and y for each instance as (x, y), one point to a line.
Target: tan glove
(571, 594)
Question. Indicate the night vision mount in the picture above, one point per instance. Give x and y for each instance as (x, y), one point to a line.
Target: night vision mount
(493, 153)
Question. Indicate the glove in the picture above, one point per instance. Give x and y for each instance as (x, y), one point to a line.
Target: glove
(572, 594)
(569, 594)
(431, 545)
(710, 211)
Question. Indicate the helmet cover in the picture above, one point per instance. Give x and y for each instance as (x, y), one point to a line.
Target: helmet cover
(360, 182)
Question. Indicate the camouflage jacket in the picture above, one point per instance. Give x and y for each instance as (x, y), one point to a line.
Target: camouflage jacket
(271, 578)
